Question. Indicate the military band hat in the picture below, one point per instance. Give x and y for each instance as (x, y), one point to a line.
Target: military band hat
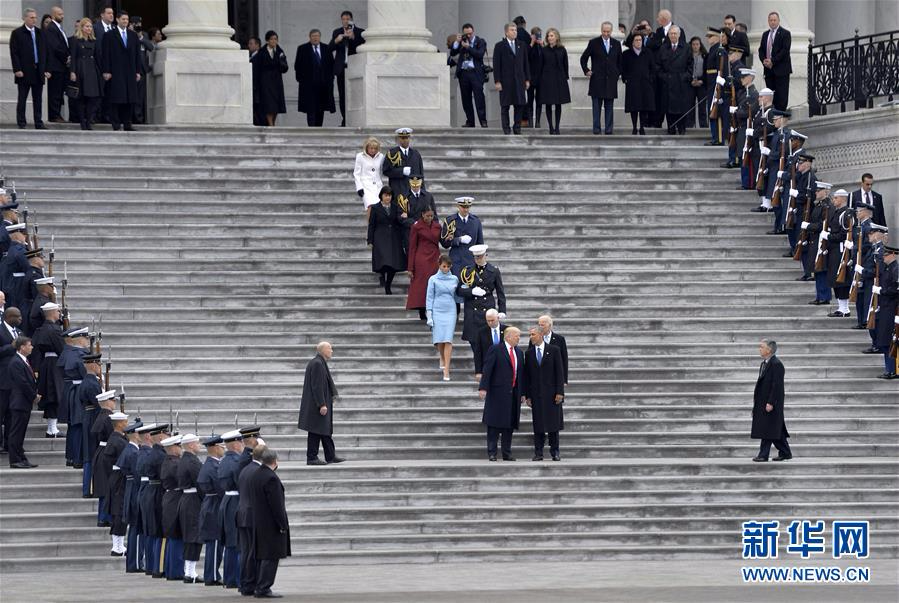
(415, 179)
(133, 427)
(174, 440)
(47, 280)
(891, 250)
(187, 438)
(766, 92)
(798, 136)
(8, 206)
(88, 358)
(806, 156)
(477, 250)
(76, 332)
(464, 201)
(735, 48)
(159, 429)
(250, 432)
(17, 226)
(107, 395)
(232, 436)
(49, 306)
(746, 71)
(35, 253)
(823, 185)
(403, 131)
(212, 440)
(863, 205)
(118, 416)
(778, 113)
(878, 228)
(713, 31)
(840, 193)
(146, 428)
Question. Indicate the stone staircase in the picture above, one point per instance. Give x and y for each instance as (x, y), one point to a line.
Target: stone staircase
(219, 257)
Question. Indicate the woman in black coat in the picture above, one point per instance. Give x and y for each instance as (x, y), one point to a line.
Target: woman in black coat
(553, 91)
(675, 74)
(535, 58)
(385, 237)
(84, 71)
(637, 73)
(269, 65)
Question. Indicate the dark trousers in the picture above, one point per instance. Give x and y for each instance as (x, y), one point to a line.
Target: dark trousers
(192, 551)
(517, 112)
(341, 95)
(822, 291)
(494, 433)
(18, 424)
(247, 560)
(120, 114)
(213, 561)
(674, 125)
(174, 559)
(553, 443)
(532, 112)
(842, 292)
(133, 550)
(863, 301)
(139, 109)
(36, 91)
(56, 88)
(312, 443)
(315, 119)
(4, 418)
(267, 568)
(471, 85)
(605, 104)
(151, 546)
(701, 109)
(781, 86)
(88, 107)
(230, 566)
(782, 446)
(258, 117)
(74, 444)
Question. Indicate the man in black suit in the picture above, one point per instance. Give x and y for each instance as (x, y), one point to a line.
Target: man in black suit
(511, 76)
(314, 68)
(245, 519)
(488, 336)
(57, 64)
(774, 52)
(105, 23)
(500, 389)
(871, 197)
(271, 528)
(22, 398)
(28, 55)
(736, 37)
(604, 57)
(543, 390)
(9, 332)
(521, 30)
(470, 51)
(768, 405)
(545, 323)
(344, 42)
(121, 68)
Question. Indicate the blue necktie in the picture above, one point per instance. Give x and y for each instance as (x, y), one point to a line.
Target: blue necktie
(606, 43)
(34, 45)
(539, 357)
(495, 337)
(125, 38)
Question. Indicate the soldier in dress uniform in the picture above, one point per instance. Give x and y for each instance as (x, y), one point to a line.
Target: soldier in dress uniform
(886, 315)
(711, 64)
(790, 191)
(860, 230)
(48, 345)
(151, 502)
(121, 480)
(34, 274)
(229, 471)
(783, 137)
(14, 265)
(85, 396)
(839, 222)
(760, 138)
(76, 346)
(814, 227)
(189, 505)
(747, 104)
(8, 209)
(44, 296)
(136, 559)
(734, 66)
(102, 429)
(872, 258)
(173, 553)
(459, 232)
(401, 162)
(413, 205)
(208, 484)
(800, 194)
(481, 286)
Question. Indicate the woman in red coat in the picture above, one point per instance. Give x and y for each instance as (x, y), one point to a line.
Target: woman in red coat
(423, 255)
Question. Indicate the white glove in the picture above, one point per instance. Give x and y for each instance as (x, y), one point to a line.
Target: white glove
(501, 316)
(465, 239)
(823, 236)
(859, 269)
(720, 81)
(750, 131)
(850, 245)
(733, 130)
(407, 170)
(896, 320)
(794, 193)
(781, 173)
(732, 110)
(875, 290)
(478, 292)
(805, 225)
(764, 150)
(260, 441)
(430, 322)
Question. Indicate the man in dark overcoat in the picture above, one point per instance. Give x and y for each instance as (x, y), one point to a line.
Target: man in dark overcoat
(500, 389)
(28, 57)
(768, 406)
(488, 336)
(543, 389)
(604, 57)
(271, 526)
(317, 407)
(481, 287)
(121, 68)
(511, 76)
(314, 69)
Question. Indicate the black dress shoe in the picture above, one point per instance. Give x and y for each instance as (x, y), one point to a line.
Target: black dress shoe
(77, 466)
(40, 127)
(269, 595)
(114, 554)
(634, 132)
(760, 209)
(787, 254)
(509, 458)
(537, 457)
(22, 126)
(158, 575)
(316, 462)
(774, 232)
(483, 124)
(556, 457)
(859, 327)
(507, 131)
(760, 459)
(69, 463)
(468, 124)
(27, 466)
(336, 460)
(134, 571)
(781, 457)
(214, 583)
(128, 128)
(870, 351)
(817, 302)
(887, 376)
(382, 279)
(806, 277)
(516, 131)
(195, 580)
(492, 457)
(102, 524)
(642, 132)
(838, 314)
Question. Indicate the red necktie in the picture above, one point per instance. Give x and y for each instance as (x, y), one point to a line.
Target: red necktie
(512, 360)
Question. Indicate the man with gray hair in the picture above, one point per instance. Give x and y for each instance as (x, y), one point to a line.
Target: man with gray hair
(28, 55)
(768, 405)
(500, 389)
(271, 527)
(316, 407)
(488, 336)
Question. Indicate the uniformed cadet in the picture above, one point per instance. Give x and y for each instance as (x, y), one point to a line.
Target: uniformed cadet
(760, 141)
(85, 396)
(229, 471)
(459, 232)
(780, 139)
(34, 274)
(209, 486)
(76, 346)
(872, 258)
(8, 209)
(122, 448)
(839, 222)
(800, 188)
(173, 552)
(137, 560)
(251, 439)
(131, 457)
(789, 191)
(401, 162)
(14, 266)
(189, 505)
(814, 249)
(747, 105)
(860, 231)
(48, 345)
(102, 429)
(886, 315)
(151, 503)
(714, 66)
(44, 296)
(734, 65)
(481, 286)
(413, 205)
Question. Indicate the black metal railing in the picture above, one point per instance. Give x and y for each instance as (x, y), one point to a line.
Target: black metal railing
(855, 71)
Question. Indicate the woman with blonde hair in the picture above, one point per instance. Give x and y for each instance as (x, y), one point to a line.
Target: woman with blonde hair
(368, 174)
(553, 91)
(84, 72)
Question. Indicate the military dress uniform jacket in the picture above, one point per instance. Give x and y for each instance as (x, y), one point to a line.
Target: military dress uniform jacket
(111, 479)
(229, 470)
(458, 251)
(168, 475)
(838, 221)
(121, 483)
(151, 494)
(13, 269)
(190, 502)
(133, 510)
(73, 371)
(209, 487)
(886, 307)
(777, 142)
(48, 345)
(101, 430)
(816, 224)
(490, 280)
(394, 162)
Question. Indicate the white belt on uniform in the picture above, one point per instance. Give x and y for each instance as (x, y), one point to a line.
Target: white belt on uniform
(18, 274)
(51, 355)
(115, 467)
(102, 443)
(231, 492)
(190, 491)
(78, 382)
(145, 479)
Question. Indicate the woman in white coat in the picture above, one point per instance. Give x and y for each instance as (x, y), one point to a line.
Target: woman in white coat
(367, 173)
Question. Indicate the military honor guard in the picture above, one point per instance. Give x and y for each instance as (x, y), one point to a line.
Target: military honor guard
(760, 149)
(123, 440)
(481, 288)
(816, 251)
(714, 66)
(729, 108)
(14, 265)
(768, 406)
(228, 473)
(150, 500)
(500, 389)
(860, 236)
(887, 313)
(401, 162)
(173, 546)
(869, 273)
(543, 389)
(73, 372)
(136, 559)
(44, 296)
(777, 159)
(189, 505)
(210, 488)
(86, 400)
(459, 232)
(747, 105)
(48, 345)
(839, 245)
(102, 461)
(33, 275)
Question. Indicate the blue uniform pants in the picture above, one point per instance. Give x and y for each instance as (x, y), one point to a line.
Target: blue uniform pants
(822, 290)
(174, 559)
(213, 562)
(231, 566)
(134, 552)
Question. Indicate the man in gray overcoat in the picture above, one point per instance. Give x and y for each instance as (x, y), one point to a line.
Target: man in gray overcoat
(317, 405)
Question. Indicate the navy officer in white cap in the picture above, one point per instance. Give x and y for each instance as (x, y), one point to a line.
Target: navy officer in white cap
(401, 162)
(459, 231)
(481, 286)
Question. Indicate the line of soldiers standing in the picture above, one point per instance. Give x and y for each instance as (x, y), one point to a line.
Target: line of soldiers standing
(836, 241)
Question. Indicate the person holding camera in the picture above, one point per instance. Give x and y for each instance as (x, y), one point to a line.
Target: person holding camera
(470, 50)
(344, 42)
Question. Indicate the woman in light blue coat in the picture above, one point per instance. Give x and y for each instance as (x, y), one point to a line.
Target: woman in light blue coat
(441, 303)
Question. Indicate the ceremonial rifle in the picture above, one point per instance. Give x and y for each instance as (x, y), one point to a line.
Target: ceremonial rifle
(122, 397)
(791, 209)
(778, 184)
(803, 235)
(716, 98)
(875, 300)
(52, 255)
(750, 134)
(108, 367)
(65, 284)
(894, 344)
(856, 279)
(844, 258)
(763, 158)
(822, 243)
(732, 137)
